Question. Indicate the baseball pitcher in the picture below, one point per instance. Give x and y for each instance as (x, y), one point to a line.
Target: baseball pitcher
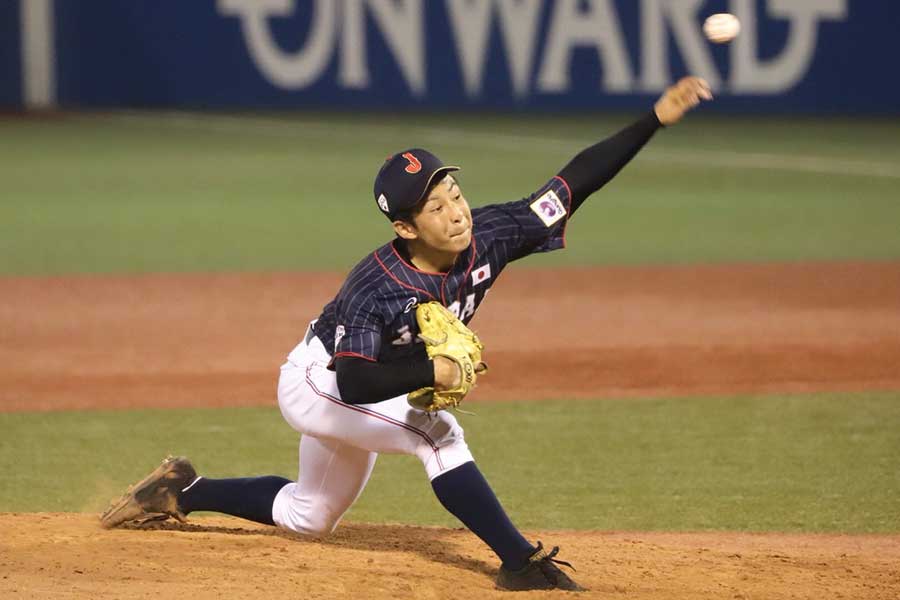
(376, 369)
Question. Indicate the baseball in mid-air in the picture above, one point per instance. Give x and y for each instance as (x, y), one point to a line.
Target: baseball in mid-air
(721, 28)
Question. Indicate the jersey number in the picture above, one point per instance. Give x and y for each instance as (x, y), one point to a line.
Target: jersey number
(467, 311)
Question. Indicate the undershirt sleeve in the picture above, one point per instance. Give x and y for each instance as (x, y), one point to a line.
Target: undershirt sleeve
(594, 167)
(362, 381)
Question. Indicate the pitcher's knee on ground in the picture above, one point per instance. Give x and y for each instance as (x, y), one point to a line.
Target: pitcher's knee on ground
(332, 476)
(309, 515)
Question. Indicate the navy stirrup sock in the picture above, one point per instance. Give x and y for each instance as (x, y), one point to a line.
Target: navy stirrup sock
(466, 493)
(247, 497)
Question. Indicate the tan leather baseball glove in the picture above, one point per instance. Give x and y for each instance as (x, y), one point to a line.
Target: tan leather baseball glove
(445, 335)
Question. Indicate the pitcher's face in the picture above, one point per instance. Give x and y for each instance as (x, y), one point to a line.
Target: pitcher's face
(444, 222)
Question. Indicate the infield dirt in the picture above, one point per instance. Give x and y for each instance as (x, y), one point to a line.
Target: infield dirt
(68, 556)
(217, 340)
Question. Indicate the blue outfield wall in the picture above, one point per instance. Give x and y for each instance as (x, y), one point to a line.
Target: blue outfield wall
(10, 55)
(792, 56)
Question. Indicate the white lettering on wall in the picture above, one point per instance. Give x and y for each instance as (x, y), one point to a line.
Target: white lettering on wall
(597, 27)
(519, 24)
(38, 48)
(343, 27)
(288, 70)
(682, 17)
(401, 23)
(471, 21)
(749, 75)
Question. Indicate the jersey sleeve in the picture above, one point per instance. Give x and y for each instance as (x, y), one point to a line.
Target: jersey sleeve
(534, 224)
(358, 329)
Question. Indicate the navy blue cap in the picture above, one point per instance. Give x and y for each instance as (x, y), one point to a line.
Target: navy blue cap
(403, 178)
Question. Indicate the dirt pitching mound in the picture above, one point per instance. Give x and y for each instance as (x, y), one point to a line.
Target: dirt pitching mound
(69, 556)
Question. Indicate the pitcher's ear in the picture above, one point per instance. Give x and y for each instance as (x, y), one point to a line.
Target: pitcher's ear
(405, 230)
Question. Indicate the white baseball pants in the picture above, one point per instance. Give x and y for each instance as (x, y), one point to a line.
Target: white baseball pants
(340, 442)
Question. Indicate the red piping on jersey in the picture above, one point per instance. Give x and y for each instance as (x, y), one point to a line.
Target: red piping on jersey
(377, 415)
(568, 207)
(466, 277)
(409, 266)
(394, 277)
(443, 276)
(354, 354)
(568, 189)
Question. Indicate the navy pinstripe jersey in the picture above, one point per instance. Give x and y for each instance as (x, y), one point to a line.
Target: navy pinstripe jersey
(373, 315)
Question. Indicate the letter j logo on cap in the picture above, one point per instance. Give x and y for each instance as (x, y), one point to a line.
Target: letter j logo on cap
(414, 165)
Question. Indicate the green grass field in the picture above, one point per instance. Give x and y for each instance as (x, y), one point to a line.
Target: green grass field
(138, 192)
(795, 463)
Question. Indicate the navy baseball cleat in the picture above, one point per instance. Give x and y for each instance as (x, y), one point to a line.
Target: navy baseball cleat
(541, 573)
(153, 498)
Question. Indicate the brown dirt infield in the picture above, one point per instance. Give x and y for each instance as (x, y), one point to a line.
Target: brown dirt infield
(68, 556)
(217, 340)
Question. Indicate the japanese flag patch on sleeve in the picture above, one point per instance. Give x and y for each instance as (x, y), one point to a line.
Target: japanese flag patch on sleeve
(548, 207)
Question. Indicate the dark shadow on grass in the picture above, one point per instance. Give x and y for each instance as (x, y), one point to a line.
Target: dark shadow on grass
(431, 543)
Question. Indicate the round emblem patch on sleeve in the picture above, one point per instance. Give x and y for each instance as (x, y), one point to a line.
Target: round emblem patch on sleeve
(549, 208)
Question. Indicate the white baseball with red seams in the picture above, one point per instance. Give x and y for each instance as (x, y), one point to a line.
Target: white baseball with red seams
(721, 28)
